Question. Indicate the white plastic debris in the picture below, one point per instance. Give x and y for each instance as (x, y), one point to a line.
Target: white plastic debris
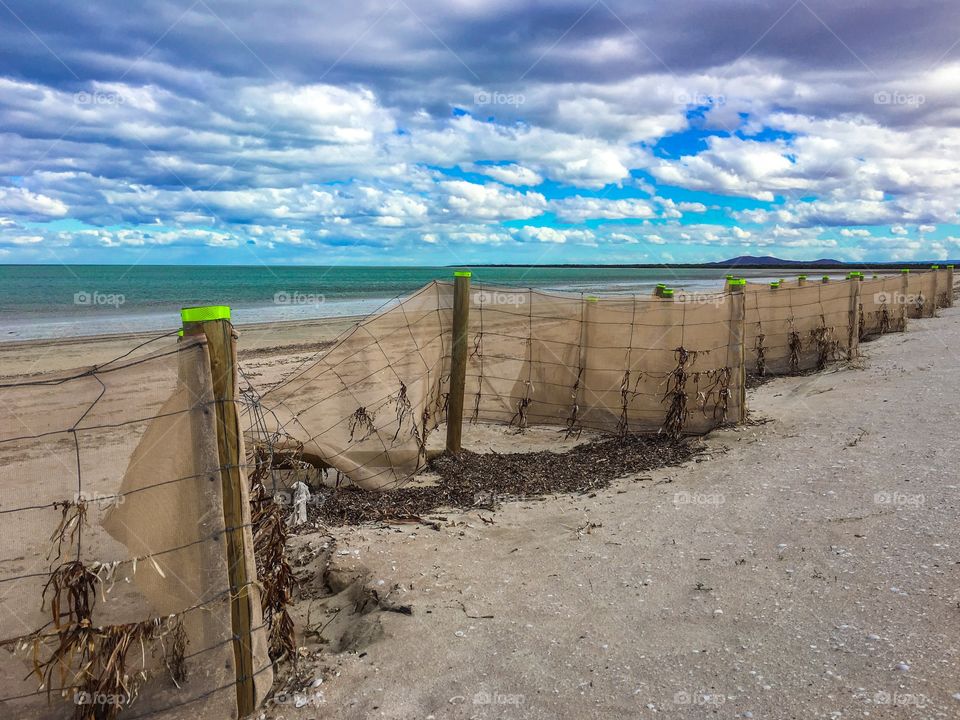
(301, 496)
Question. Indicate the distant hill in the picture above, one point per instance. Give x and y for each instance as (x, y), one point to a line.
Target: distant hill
(768, 261)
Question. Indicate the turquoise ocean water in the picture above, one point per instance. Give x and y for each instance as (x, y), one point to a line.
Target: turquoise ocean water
(49, 301)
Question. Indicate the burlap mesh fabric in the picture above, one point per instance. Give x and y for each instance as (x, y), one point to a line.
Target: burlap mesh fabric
(601, 363)
(920, 292)
(792, 329)
(883, 306)
(135, 444)
(367, 406)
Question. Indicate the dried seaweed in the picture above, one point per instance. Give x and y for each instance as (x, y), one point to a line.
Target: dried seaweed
(72, 590)
(72, 520)
(796, 346)
(573, 419)
(676, 395)
(91, 664)
(520, 416)
(883, 318)
(761, 356)
(174, 656)
(273, 569)
(361, 420)
(404, 412)
(473, 480)
(827, 348)
(623, 423)
(718, 390)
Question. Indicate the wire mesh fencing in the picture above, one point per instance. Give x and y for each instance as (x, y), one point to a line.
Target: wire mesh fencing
(793, 329)
(115, 591)
(798, 326)
(368, 406)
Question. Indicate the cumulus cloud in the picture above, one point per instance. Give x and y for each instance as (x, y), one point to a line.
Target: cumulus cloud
(511, 174)
(240, 129)
(578, 209)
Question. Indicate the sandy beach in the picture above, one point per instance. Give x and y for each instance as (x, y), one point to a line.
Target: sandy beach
(264, 345)
(802, 566)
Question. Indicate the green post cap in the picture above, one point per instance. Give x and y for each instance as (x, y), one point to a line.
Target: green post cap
(592, 298)
(934, 267)
(950, 267)
(737, 282)
(462, 273)
(774, 285)
(801, 277)
(666, 292)
(825, 278)
(203, 314)
(905, 271)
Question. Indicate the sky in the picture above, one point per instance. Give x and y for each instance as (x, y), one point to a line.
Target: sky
(440, 132)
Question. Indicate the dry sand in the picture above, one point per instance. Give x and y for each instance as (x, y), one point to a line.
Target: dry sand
(807, 567)
(264, 347)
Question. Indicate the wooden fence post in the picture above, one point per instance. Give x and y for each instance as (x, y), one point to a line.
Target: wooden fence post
(458, 359)
(587, 305)
(904, 290)
(737, 350)
(853, 335)
(935, 271)
(214, 323)
(949, 285)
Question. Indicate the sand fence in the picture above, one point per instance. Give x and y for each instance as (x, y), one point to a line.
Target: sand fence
(132, 585)
(670, 362)
(125, 533)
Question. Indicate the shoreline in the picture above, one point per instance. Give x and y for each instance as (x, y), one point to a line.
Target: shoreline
(20, 358)
(46, 319)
